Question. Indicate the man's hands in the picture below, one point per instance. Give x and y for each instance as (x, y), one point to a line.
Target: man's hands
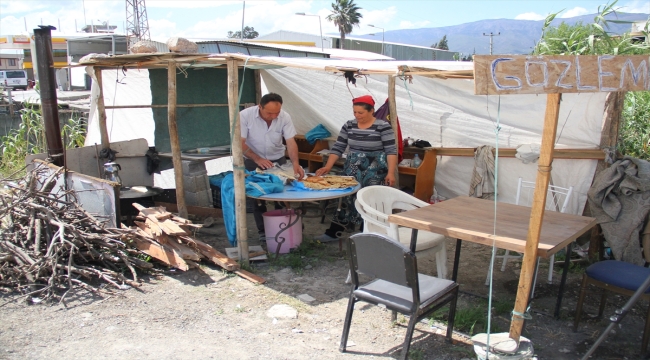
(263, 163)
(298, 171)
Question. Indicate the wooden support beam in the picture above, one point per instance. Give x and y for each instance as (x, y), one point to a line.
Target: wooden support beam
(194, 210)
(608, 140)
(258, 86)
(593, 154)
(237, 161)
(173, 138)
(537, 214)
(101, 110)
(392, 108)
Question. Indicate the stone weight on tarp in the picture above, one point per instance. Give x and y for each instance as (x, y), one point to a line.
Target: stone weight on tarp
(143, 47)
(182, 45)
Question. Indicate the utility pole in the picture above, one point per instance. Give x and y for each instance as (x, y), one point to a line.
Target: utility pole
(491, 35)
(137, 22)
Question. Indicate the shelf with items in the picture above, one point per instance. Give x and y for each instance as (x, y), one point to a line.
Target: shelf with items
(422, 178)
(307, 153)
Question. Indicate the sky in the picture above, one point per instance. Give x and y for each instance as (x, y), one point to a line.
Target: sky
(209, 19)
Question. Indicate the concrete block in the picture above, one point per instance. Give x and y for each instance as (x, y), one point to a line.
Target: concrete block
(193, 167)
(196, 183)
(200, 198)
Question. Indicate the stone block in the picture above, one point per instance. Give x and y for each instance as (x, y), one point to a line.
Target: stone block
(196, 183)
(193, 167)
(182, 45)
(200, 198)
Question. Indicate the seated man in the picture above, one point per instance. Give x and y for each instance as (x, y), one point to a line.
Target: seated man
(262, 129)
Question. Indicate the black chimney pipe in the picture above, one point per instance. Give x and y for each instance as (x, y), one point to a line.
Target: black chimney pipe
(47, 83)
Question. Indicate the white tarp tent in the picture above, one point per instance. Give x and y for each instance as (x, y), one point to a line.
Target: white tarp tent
(443, 112)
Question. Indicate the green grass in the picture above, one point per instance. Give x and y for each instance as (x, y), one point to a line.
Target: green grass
(309, 251)
(472, 318)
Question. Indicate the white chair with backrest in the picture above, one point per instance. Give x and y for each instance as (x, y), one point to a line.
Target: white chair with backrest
(557, 199)
(376, 203)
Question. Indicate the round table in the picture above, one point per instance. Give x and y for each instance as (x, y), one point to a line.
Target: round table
(303, 196)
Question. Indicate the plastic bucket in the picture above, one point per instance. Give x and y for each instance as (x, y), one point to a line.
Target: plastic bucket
(276, 220)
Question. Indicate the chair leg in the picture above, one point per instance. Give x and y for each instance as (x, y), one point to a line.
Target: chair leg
(505, 260)
(393, 316)
(646, 333)
(347, 323)
(581, 298)
(441, 261)
(603, 302)
(550, 269)
(407, 338)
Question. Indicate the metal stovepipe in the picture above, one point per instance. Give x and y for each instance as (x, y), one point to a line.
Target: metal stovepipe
(47, 83)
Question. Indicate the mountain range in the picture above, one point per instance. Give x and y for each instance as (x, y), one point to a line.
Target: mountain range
(515, 36)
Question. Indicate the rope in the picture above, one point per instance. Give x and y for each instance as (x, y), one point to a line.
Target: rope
(234, 125)
(403, 76)
(497, 129)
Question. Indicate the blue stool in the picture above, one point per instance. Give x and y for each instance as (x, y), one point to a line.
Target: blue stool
(617, 276)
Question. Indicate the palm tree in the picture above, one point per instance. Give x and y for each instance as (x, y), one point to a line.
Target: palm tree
(345, 14)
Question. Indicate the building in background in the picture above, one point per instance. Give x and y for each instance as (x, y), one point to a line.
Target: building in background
(10, 61)
(393, 50)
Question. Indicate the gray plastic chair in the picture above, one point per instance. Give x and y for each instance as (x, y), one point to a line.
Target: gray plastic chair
(396, 284)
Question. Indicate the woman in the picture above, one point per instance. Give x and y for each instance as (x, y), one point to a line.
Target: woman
(372, 159)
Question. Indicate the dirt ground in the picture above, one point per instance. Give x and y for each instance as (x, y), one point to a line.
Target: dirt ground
(209, 313)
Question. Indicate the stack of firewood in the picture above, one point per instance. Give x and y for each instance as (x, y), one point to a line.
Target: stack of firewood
(167, 238)
(50, 245)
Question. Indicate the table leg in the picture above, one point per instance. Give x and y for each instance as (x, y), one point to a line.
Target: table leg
(414, 239)
(323, 209)
(567, 263)
(454, 274)
(283, 228)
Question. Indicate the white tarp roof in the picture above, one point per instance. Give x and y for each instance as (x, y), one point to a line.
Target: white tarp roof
(444, 112)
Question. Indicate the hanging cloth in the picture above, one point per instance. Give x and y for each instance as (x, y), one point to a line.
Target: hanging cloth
(383, 113)
(482, 184)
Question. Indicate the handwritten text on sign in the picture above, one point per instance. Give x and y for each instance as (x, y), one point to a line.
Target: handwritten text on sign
(525, 74)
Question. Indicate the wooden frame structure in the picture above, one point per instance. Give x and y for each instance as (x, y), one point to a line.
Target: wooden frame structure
(494, 75)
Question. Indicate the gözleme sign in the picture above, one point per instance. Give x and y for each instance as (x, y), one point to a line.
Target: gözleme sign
(527, 74)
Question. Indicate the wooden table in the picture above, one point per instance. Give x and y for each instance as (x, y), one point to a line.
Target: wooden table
(472, 219)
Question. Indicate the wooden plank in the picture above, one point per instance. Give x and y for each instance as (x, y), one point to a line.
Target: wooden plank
(173, 138)
(526, 74)
(592, 154)
(237, 161)
(159, 252)
(171, 228)
(101, 110)
(182, 250)
(250, 276)
(211, 253)
(194, 210)
(392, 117)
(162, 216)
(537, 214)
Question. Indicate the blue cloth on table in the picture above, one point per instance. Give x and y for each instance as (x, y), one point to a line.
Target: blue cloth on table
(317, 133)
(256, 185)
(217, 179)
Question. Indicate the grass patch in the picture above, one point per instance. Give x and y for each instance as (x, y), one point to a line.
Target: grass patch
(472, 318)
(416, 354)
(309, 251)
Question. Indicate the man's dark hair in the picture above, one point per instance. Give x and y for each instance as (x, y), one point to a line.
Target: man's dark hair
(269, 98)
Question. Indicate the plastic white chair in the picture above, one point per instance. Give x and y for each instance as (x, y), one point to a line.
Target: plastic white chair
(557, 199)
(376, 203)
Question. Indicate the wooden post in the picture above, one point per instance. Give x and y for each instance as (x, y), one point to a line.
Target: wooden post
(258, 86)
(173, 139)
(392, 107)
(101, 110)
(537, 213)
(10, 98)
(608, 140)
(237, 161)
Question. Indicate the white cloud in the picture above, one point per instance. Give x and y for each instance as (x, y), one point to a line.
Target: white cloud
(161, 30)
(20, 7)
(188, 4)
(530, 16)
(413, 25)
(637, 6)
(576, 11)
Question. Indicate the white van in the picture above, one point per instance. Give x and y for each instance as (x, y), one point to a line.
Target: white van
(16, 79)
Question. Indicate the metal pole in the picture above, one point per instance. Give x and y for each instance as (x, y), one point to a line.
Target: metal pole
(49, 105)
(491, 35)
(382, 41)
(321, 33)
(243, 12)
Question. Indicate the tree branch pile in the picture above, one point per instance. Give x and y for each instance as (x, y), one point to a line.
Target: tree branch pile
(49, 245)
